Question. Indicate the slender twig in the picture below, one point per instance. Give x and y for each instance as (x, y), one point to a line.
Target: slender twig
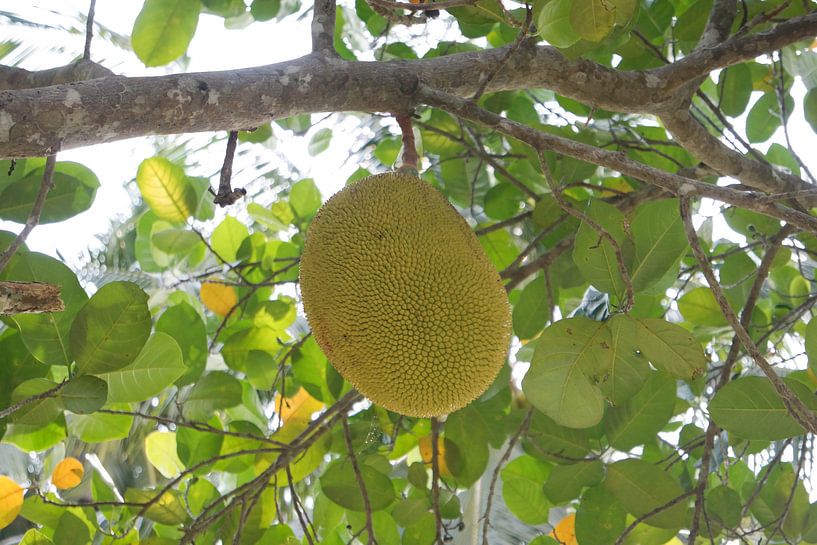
(507, 55)
(435, 480)
(486, 523)
(517, 275)
(226, 194)
(364, 493)
(299, 510)
(34, 217)
(712, 429)
(663, 507)
(504, 223)
(89, 31)
(629, 296)
(51, 392)
(796, 408)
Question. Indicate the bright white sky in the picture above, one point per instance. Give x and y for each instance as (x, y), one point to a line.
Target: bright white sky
(214, 47)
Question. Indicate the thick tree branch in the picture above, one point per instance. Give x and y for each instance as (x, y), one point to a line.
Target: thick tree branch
(677, 185)
(21, 297)
(112, 108)
(705, 147)
(12, 78)
(323, 27)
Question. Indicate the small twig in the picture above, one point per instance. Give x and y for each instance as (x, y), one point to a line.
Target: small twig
(486, 524)
(226, 194)
(89, 31)
(504, 223)
(23, 402)
(323, 27)
(674, 501)
(629, 296)
(517, 275)
(34, 217)
(796, 408)
(367, 506)
(507, 55)
(296, 505)
(435, 480)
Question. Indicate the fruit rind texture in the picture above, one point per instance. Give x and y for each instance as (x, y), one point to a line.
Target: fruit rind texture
(402, 298)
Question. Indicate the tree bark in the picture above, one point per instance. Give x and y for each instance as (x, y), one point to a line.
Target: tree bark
(29, 297)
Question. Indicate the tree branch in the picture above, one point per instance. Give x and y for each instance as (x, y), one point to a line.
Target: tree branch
(796, 408)
(112, 108)
(677, 185)
(367, 506)
(24, 297)
(323, 27)
(36, 209)
(13, 78)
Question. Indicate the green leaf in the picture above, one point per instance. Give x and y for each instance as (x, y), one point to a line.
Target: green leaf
(154, 369)
(522, 480)
(735, 89)
(84, 394)
(500, 247)
(47, 335)
(592, 19)
(100, 427)
(628, 368)
(176, 241)
(215, 390)
(169, 509)
(185, 325)
(319, 141)
(750, 408)
(659, 239)
(340, 485)
(503, 201)
(160, 450)
(73, 192)
(264, 10)
(764, 118)
(558, 383)
(111, 328)
(642, 416)
(700, 308)
(670, 348)
(595, 256)
(165, 188)
(532, 311)
(35, 537)
(305, 198)
(811, 344)
(35, 438)
(71, 530)
(723, 505)
(600, 518)
(163, 30)
(40, 412)
(194, 447)
(227, 239)
(554, 24)
(566, 481)
(410, 511)
(641, 487)
(469, 439)
(810, 108)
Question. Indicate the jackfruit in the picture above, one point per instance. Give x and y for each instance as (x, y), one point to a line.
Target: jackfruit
(402, 298)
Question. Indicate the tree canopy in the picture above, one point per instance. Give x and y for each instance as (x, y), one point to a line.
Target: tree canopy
(637, 172)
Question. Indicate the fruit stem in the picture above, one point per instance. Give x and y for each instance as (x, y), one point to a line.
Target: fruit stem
(410, 157)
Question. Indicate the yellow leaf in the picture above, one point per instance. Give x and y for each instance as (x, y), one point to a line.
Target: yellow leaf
(165, 189)
(67, 474)
(298, 408)
(11, 501)
(426, 452)
(160, 449)
(219, 298)
(565, 531)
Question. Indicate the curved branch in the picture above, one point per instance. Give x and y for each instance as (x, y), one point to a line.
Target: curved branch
(19, 78)
(706, 148)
